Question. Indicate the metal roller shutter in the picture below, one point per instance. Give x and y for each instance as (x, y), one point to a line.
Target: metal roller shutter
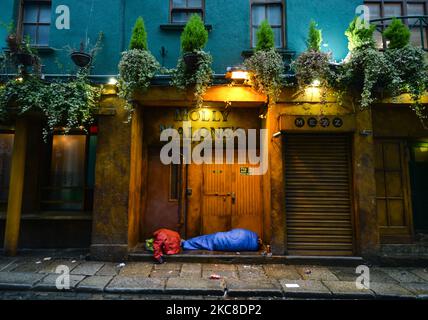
(318, 195)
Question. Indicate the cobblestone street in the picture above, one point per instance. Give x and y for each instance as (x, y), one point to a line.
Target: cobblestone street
(31, 277)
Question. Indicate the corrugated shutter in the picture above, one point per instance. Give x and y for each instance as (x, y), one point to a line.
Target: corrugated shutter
(318, 196)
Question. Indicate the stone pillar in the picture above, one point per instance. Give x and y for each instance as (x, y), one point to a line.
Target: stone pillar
(276, 188)
(366, 223)
(112, 181)
(16, 188)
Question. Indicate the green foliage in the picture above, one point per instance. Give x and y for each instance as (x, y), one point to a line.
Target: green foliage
(200, 79)
(310, 66)
(360, 35)
(69, 104)
(314, 37)
(266, 68)
(265, 37)
(398, 34)
(136, 70)
(139, 36)
(194, 36)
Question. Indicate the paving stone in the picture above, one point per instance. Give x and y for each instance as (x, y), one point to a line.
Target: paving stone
(6, 262)
(390, 290)
(163, 274)
(195, 286)
(27, 265)
(316, 273)
(109, 269)
(135, 285)
(347, 289)
(419, 289)
(49, 282)
(348, 274)
(251, 272)
(245, 288)
(421, 273)
(53, 265)
(279, 271)
(218, 267)
(87, 268)
(402, 275)
(224, 274)
(19, 280)
(305, 289)
(168, 266)
(94, 283)
(139, 269)
(191, 270)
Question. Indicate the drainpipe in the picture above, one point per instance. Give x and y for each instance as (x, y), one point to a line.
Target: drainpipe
(122, 24)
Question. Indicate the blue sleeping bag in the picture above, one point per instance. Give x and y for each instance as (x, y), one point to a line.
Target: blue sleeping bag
(235, 240)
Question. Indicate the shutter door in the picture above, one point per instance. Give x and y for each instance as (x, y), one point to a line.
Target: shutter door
(318, 196)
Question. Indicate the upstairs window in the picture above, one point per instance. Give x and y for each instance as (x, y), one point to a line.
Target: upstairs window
(36, 21)
(273, 12)
(181, 10)
(388, 9)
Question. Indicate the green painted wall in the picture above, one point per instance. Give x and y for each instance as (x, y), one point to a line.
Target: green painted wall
(230, 33)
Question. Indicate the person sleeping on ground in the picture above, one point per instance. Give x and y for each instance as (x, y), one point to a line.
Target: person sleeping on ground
(234, 240)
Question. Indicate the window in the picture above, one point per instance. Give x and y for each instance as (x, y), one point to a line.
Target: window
(397, 8)
(181, 10)
(36, 21)
(71, 173)
(272, 11)
(6, 147)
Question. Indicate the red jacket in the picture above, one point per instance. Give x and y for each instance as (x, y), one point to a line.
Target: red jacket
(166, 242)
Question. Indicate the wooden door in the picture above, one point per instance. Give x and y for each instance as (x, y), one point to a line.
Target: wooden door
(162, 207)
(319, 219)
(392, 192)
(231, 198)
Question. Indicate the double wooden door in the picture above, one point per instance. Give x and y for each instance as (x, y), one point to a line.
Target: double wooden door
(231, 198)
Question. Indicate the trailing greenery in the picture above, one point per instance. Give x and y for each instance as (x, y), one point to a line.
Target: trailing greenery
(398, 34)
(137, 66)
(266, 68)
(266, 65)
(201, 79)
(360, 35)
(313, 65)
(265, 37)
(136, 70)
(139, 36)
(64, 104)
(314, 37)
(194, 36)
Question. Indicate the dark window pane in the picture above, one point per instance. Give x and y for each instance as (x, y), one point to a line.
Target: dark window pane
(274, 15)
(30, 31)
(179, 17)
(278, 37)
(30, 12)
(415, 9)
(45, 14)
(254, 37)
(258, 14)
(195, 3)
(392, 10)
(374, 10)
(43, 39)
(179, 3)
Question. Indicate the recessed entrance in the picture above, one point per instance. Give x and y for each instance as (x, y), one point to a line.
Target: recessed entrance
(319, 219)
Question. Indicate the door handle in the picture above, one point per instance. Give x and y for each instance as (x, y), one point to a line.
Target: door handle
(233, 195)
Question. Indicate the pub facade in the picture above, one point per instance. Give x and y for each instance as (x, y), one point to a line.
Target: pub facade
(339, 181)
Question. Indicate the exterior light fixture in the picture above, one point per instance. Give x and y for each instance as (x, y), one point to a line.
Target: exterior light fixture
(277, 134)
(112, 81)
(237, 73)
(19, 79)
(316, 83)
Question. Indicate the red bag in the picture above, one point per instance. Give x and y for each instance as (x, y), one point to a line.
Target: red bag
(166, 242)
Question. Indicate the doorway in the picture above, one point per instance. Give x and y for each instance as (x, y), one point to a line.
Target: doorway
(231, 198)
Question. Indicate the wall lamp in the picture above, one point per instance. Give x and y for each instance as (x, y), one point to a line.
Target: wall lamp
(237, 73)
(277, 134)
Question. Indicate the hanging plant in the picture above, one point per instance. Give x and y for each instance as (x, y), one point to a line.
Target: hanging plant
(137, 67)
(266, 65)
(312, 67)
(66, 104)
(194, 66)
